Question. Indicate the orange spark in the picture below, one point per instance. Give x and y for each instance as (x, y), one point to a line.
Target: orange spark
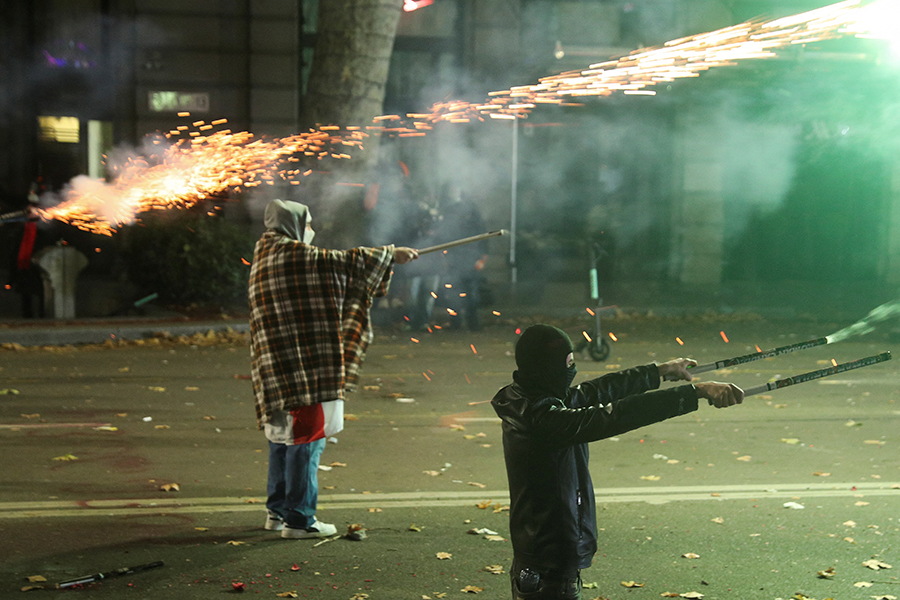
(586, 336)
(833, 362)
(495, 313)
(613, 337)
(472, 346)
(433, 295)
(758, 349)
(424, 374)
(678, 339)
(724, 337)
(467, 378)
(414, 340)
(452, 312)
(245, 261)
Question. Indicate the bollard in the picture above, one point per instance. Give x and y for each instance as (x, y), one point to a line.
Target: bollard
(60, 266)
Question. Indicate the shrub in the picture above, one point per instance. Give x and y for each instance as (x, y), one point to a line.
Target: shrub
(188, 258)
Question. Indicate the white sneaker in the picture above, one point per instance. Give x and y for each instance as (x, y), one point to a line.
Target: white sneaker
(274, 523)
(317, 530)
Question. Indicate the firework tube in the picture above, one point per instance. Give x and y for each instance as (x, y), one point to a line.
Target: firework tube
(116, 573)
(848, 366)
(739, 360)
(15, 217)
(460, 242)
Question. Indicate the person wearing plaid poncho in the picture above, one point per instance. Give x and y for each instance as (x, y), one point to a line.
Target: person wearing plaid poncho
(309, 329)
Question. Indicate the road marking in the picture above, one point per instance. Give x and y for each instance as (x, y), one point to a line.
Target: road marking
(650, 495)
(51, 425)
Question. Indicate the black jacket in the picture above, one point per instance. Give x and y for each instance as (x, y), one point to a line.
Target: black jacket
(552, 513)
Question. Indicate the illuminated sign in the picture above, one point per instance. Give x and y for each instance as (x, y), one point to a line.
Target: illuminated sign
(178, 101)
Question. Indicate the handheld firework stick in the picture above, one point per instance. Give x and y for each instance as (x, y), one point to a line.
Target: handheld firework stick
(107, 575)
(460, 242)
(739, 360)
(15, 217)
(848, 366)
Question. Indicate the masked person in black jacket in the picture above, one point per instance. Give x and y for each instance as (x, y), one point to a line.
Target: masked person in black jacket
(546, 429)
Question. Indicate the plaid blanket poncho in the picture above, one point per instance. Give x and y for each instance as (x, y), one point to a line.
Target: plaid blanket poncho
(309, 320)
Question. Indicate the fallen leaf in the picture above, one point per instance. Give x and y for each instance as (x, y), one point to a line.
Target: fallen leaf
(290, 594)
(745, 458)
(651, 477)
(469, 436)
(718, 520)
(849, 523)
(251, 501)
(371, 388)
(482, 531)
(161, 427)
(7, 391)
(350, 417)
(66, 457)
(849, 539)
(821, 474)
(337, 464)
(209, 418)
(876, 564)
(590, 586)
(191, 388)
(827, 573)
(156, 388)
(472, 589)
(201, 528)
(32, 416)
(794, 505)
(790, 440)
(692, 595)
(444, 555)
(375, 510)
(359, 596)
(432, 473)
(484, 504)
(476, 484)
(414, 527)
(124, 369)
(170, 487)
(238, 586)
(861, 503)
(690, 555)
(670, 595)
(36, 578)
(875, 442)
(235, 543)
(457, 427)
(863, 584)
(885, 597)
(499, 509)
(495, 569)
(121, 414)
(632, 584)
(672, 462)
(495, 538)
(106, 428)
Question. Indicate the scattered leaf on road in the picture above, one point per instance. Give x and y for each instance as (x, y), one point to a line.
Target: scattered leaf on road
(290, 594)
(495, 569)
(690, 555)
(444, 555)
(36, 578)
(863, 584)
(876, 564)
(745, 458)
(66, 457)
(416, 528)
(632, 584)
(827, 573)
(476, 484)
(472, 589)
(718, 520)
(170, 487)
(235, 543)
(651, 477)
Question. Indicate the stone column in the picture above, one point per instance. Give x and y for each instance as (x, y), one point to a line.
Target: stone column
(892, 245)
(698, 212)
(61, 266)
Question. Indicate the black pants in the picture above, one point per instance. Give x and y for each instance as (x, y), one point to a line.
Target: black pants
(543, 584)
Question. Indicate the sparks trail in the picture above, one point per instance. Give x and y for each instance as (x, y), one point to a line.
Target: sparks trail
(866, 325)
(194, 169)
(204, 164)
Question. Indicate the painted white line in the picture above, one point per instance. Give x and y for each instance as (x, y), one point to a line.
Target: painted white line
(51, 425)
(650, 495)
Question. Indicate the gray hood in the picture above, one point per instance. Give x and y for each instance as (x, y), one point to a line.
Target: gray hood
(288, 218)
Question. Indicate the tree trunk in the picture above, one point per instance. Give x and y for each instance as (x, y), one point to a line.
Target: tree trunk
(351, 60)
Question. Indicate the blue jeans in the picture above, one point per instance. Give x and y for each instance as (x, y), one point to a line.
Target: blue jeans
(293, 486)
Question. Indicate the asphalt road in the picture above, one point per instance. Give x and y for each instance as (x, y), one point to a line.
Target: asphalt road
(420, 464)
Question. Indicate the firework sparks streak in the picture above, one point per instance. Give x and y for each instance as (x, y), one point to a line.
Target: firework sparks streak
(203, 164)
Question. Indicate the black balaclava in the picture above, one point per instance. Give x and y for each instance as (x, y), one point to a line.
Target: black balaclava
(541, 355)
